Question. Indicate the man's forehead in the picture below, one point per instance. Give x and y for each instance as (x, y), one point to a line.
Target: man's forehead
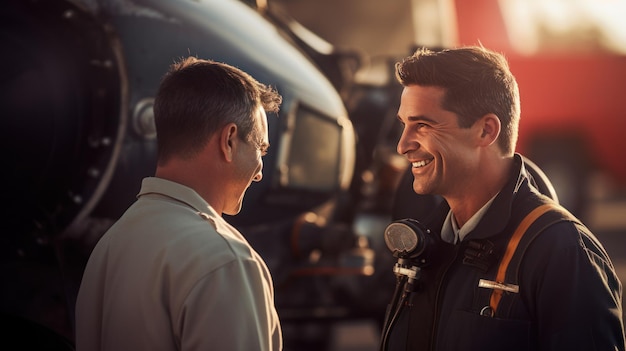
(260, 134)
(421, 97)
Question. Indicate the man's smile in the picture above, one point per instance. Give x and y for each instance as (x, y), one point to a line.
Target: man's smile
(422, 163)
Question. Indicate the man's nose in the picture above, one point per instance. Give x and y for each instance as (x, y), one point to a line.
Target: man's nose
(405, 144)
(259, 174)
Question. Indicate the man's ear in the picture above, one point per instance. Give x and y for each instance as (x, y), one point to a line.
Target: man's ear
(489, 126)
(228, 141)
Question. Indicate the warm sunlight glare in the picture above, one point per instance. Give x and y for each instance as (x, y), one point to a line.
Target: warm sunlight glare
(553, 25)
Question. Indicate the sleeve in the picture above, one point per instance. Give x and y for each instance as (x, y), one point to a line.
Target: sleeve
(232, 308)
(576, 297)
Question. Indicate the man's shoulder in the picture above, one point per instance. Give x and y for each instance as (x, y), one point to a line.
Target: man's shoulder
(173, 230)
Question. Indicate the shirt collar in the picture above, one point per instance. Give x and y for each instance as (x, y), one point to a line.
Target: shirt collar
(177, 192)
(451, 232)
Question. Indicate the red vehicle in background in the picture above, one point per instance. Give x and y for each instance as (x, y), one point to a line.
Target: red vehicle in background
(569, 58)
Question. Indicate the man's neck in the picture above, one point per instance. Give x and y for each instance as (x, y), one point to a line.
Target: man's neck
(482, 189)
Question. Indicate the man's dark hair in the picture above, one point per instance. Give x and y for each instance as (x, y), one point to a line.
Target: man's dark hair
(476, 81)
(198, 97)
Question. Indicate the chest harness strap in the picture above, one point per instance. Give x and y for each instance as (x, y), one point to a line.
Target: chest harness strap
(500, 286)
(496, 294)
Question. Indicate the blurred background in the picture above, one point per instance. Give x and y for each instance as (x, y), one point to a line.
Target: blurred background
(77, 106)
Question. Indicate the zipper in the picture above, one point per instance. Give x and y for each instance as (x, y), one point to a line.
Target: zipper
(442, 281)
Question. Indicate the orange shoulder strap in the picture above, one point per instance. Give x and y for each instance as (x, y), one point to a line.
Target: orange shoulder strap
(496, 294)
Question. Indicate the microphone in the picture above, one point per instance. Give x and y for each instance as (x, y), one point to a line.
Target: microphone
(408, 239)
(410, 242)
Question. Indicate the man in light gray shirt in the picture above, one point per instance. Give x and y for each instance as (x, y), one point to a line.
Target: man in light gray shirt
(171, 273)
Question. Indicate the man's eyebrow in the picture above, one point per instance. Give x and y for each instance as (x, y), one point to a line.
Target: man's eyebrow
(420, 118)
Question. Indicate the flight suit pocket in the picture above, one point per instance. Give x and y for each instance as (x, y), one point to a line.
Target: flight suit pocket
(471, 331)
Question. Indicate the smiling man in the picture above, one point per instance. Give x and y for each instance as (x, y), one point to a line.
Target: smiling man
(171, 273)
(509, 268)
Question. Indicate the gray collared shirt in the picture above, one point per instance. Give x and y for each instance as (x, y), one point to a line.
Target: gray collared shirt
(450, 232)
(171, 274)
